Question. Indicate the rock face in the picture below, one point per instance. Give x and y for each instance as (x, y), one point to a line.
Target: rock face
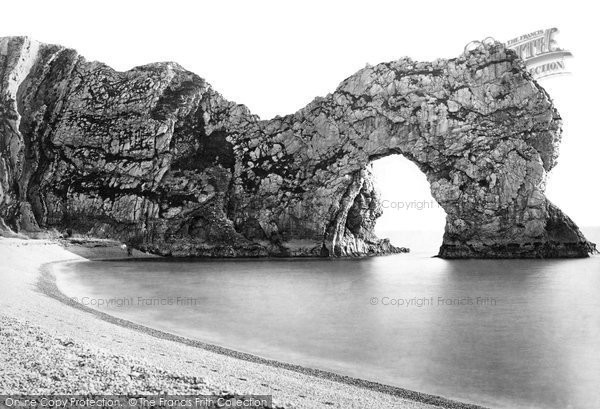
(157, 158)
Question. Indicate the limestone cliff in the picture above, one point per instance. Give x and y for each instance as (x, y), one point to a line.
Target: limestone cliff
(155, 157)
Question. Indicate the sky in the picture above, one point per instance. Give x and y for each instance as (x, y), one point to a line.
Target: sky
(276, 56)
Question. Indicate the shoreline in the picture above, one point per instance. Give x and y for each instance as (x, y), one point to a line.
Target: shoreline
(45, 284)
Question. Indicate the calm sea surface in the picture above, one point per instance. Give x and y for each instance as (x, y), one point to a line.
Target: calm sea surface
(512, 333)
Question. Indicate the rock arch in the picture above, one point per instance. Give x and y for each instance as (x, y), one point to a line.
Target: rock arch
(154, 156)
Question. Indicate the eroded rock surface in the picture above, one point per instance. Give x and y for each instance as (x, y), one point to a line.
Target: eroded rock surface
(157, 158)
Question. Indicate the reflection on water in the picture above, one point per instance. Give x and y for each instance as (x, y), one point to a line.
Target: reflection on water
(530, 340)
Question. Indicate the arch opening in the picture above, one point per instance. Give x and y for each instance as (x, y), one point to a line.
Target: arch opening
(410, 217)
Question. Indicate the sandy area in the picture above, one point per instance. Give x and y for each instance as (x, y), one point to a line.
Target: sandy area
(104, 355)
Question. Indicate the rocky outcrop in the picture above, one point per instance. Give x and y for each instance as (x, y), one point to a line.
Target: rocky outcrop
(157, 158)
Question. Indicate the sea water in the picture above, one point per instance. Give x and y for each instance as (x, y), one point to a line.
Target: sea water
(503, 333)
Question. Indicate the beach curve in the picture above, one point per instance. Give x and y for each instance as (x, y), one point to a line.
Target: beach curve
(222, 368)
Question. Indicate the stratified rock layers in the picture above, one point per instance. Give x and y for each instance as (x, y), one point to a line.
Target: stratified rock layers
(156, 158)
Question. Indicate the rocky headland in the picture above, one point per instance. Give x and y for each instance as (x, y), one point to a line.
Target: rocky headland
(156, 158)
